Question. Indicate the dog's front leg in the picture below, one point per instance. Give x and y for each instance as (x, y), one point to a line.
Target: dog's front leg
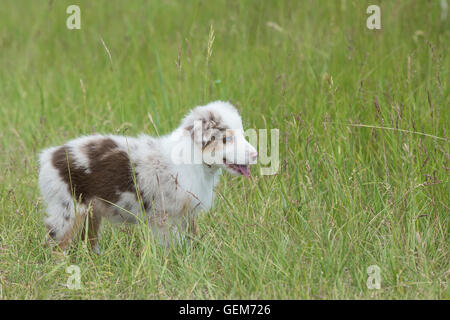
(192, 227)
(159, 224)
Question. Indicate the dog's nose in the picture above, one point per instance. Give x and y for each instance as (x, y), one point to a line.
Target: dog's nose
(253, 156)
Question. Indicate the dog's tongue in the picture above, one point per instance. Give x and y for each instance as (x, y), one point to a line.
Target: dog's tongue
(244, 171)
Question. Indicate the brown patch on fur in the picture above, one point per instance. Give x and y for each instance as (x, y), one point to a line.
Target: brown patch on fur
(212, 126)
(110, 171)
(213, 135)
(110, 174)
(215, 122)
(216, 139)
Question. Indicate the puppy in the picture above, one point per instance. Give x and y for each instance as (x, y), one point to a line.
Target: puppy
(163, 180)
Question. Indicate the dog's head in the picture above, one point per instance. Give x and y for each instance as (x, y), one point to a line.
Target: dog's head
(216, 130)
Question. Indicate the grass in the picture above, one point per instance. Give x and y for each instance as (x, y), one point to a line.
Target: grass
(364, 151)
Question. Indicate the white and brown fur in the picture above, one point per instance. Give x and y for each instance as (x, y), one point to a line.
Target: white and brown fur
(126, 179)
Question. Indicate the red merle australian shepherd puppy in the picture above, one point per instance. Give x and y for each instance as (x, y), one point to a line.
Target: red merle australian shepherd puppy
(165, 180)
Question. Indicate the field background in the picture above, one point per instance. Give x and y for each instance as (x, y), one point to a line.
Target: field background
(346, 196)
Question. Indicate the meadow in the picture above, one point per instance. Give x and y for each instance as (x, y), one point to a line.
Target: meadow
(364, 150)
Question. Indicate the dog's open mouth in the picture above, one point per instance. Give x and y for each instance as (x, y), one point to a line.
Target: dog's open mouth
(241, 169)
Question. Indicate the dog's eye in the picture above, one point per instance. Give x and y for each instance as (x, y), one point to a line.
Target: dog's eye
(209, 142)
(227, 139)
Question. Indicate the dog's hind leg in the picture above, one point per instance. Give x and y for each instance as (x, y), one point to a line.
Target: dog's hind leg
(93, 226)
